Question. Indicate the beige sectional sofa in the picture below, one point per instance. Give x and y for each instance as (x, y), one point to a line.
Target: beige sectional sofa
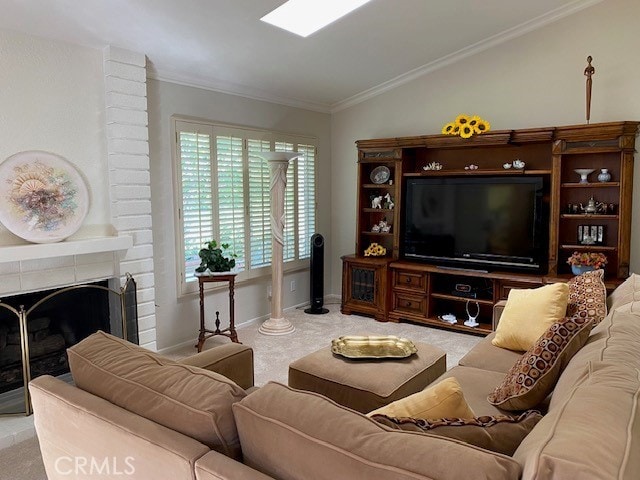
(591, 429)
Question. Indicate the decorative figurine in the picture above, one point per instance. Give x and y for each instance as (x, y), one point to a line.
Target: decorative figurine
(384, 227)
(519, 164)
(506, 166)
(376, 201)
(471, 167)
(388, 202)
(433, 166)
(589, 72)
(375, 228)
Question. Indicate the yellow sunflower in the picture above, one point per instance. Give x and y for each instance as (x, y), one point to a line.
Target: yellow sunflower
(448, 128)
(482, 126)
(466, 131)
(473, 121)
(456, 130)
(462, 119)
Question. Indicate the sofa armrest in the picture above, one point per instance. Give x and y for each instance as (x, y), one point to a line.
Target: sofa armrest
(216, 466)
(233, 360)
(498, 308)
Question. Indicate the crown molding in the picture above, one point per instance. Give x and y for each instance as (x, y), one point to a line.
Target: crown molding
(463, 53)
(234, 89)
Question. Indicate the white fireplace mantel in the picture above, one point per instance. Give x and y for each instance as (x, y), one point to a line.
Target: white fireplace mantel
(15, 253)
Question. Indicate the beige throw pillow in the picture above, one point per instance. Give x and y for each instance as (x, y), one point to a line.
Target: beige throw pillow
(528, 314)
(441, 400)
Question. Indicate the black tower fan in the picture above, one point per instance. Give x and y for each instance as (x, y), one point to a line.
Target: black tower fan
(317, 276)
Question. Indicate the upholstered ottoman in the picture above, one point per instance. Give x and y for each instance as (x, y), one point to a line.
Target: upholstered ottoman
(367, 384)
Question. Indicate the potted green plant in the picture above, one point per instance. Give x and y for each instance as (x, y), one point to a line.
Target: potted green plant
(214, 258)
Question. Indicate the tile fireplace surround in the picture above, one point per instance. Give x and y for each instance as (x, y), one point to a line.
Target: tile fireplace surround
(125, 246)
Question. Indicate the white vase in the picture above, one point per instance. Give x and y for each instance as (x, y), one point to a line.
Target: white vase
(604, 175)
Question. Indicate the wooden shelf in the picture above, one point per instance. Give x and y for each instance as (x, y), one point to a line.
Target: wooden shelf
(482, 329)
(378, 185)
(454, 298)
(445, 173)
(589, 216)
(588, 247)
(378, 234)
(378, 210)
(590, 185)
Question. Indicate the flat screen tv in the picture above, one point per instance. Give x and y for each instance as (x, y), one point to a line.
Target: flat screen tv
(476, 222)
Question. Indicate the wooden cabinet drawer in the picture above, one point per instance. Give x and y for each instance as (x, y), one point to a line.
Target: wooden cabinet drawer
(506, 286)
(408, 280)
(403, 303)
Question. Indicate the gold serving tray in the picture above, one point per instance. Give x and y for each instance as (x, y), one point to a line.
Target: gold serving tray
(387, 346)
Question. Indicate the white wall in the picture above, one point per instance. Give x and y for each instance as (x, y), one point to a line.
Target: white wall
(533, 81)
(177, 318)
(52, 98)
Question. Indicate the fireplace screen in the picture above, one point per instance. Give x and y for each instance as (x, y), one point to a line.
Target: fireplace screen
(37, 328)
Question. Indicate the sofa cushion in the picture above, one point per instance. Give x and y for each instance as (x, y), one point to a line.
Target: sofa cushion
(187, 399)
(439, 400)
(625, 293)
(528, 313)
(593, 434)
(500, 433)
(74, 425)
(588, 296)
(293, 434)
(487, 356)
(614, 340)
(533, 377)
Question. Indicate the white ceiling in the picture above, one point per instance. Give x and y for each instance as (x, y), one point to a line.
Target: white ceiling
(223, 45)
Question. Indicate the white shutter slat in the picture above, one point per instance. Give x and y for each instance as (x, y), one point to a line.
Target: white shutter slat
(230, 193)
(197, 202)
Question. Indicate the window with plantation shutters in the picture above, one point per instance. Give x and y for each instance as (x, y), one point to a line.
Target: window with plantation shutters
(223, 193)
(194, 150)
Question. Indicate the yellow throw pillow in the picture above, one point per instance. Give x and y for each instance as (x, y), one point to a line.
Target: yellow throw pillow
(442, 400)
(529, 313)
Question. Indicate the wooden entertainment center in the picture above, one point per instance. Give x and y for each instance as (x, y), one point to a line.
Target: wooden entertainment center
(393, 289)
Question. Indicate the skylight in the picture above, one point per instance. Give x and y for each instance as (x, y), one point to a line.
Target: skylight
(303, 17)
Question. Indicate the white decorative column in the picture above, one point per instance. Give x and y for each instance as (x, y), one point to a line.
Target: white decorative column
(278, 162)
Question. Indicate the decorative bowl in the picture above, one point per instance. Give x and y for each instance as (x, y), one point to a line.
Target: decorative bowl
(584, 173)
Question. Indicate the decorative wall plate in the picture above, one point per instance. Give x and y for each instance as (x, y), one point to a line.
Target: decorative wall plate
(43, 198)
(380, 174)
(385, 346)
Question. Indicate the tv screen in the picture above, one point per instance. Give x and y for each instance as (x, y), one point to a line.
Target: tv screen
(476, 222)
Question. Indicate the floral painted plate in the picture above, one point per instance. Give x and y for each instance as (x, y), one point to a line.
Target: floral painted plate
(43, 198)
(380, 174)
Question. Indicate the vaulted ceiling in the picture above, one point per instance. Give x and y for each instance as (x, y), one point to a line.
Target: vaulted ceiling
(223, 45)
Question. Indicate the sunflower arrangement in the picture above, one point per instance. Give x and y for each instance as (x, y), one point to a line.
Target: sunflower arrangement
(375, 250)
(466, 126)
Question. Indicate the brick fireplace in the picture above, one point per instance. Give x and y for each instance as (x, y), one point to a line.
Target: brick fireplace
(124, 246)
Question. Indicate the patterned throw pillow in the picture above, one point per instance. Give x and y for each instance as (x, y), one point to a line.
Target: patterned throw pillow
(588, 296)
(535, 374)
(500, 433)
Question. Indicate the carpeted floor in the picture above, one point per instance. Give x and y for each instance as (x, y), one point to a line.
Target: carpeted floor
(272, 355)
